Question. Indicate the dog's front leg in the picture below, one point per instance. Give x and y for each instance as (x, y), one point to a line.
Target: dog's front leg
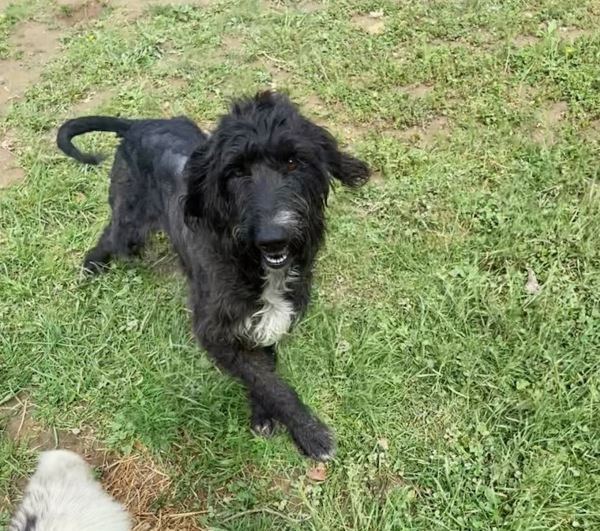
(272, 398)
(261, 422)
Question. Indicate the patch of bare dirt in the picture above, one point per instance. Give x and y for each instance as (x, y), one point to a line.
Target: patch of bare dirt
(85, 106)
(74, 11)
(178, 82)
(427, 134)
(232, 42)
(311, 7)
(554, 113)
(36, 39)
(352, 132)
(314, 103)
(548, 120)
(592, 131)
(476, 38)
(524, 93)
(572, 34)
(482, 36)
(38, 44)
(334, 118)
(22, 426)
(280, 71)
(10, 171)
(281, 78)
(90, 102)
(15, 77)
(322, 114)
(373, 23)
(135, 8)
(522, 41)
(418, 90)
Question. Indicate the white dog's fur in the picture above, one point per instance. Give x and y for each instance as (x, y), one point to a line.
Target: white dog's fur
(63, 495)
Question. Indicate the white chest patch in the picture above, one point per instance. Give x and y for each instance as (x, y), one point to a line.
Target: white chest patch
(275, 315)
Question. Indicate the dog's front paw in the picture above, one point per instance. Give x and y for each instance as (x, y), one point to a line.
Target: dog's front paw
(261, 422)
(263, 427)
(314, 439)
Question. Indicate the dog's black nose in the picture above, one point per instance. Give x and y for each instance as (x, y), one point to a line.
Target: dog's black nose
(271, 238)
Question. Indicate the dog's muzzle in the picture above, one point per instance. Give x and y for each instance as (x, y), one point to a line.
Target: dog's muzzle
(273, 240)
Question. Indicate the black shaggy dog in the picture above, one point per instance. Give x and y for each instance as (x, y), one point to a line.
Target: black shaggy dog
(244, 209)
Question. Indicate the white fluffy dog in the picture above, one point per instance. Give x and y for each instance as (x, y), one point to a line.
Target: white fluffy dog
(63, 495)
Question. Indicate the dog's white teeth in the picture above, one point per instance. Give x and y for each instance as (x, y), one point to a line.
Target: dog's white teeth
(276, 259)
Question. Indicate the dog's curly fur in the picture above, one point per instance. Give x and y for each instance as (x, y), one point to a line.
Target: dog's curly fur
(62, 495)
(244, 209)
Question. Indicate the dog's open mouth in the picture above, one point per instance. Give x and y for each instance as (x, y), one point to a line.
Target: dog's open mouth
(277, 260)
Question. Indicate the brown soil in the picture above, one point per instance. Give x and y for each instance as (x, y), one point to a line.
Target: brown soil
(10, 171)
(135, 8)
(37, 44)
(571, 34)
(418, 90)
(372, 23)
(554, 113)
(90, 102)
(426, 135)
(549, 119)
(231, 42)
(21, 425)
(311, 7)
(522, 41)
(77, 10)
(592, 131)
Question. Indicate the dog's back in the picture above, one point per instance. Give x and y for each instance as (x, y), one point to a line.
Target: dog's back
(158, 145)
(162, 147)
(62, 495)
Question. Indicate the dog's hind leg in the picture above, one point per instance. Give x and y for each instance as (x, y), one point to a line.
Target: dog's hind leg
(131, 221)
(99, 256)
(117, 239)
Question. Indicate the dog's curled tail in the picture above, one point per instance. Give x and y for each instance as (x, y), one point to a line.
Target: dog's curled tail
(87, 124)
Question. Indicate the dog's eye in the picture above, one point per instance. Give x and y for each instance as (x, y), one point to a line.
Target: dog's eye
(292, 164)
(235, 172)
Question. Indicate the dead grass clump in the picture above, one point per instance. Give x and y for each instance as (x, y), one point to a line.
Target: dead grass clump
(138, 483)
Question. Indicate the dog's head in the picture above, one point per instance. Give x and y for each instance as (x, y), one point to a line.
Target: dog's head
(264, 177)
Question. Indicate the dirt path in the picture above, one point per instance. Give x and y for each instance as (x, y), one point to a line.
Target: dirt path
(33, 44)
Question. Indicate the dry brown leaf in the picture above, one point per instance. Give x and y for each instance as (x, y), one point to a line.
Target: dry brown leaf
(532, 286)
(317, 472)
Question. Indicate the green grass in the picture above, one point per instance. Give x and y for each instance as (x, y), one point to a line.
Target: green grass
(420, 332)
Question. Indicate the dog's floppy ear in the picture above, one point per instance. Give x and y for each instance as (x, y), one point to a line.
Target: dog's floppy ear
(204, 200)
(195, 172)
(343, 167)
